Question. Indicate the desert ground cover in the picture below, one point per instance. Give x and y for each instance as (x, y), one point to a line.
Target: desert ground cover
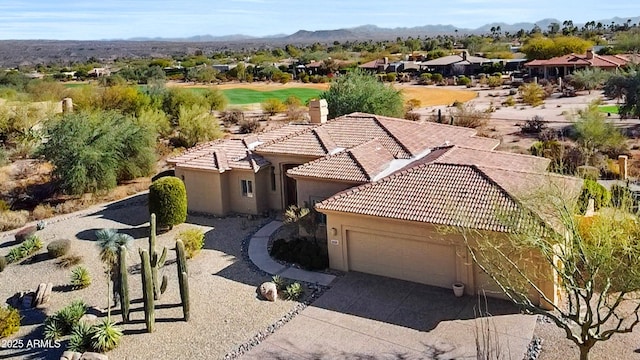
(225, 309)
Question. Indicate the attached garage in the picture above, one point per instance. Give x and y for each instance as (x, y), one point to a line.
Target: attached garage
(431, 263)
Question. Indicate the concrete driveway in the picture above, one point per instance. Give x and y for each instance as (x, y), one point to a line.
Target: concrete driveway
(371, 317)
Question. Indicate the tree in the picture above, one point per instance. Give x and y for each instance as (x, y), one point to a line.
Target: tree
(197, 124)
(627, 87)
(93, 151)
(540, 47)
(360, 92)
(588, 79)
(109, 242)
(593, 133)
(594, 260)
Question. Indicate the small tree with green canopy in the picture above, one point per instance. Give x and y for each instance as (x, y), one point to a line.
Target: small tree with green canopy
(593, 133)
(197, 124)
(358, 91)
(92, 151)
(625, 86)
(588, 79)
(593, 261)
(168, 200)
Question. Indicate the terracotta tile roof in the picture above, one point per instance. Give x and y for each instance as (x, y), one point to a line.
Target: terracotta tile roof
(601, 61)
(442, 194)
(445, 194)
(498, 159)
(223, 155)
(478, 142)
(359, 164)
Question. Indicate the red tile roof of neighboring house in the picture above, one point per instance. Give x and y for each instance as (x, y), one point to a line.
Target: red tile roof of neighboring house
(447, 194)
(595, 60)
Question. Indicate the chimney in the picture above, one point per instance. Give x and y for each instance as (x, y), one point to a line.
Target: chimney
(589, 54)
(622, 164)
(67, 105)
(386, 60)
(318, 111)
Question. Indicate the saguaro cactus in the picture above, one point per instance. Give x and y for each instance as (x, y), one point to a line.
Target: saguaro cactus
(124, 284)
(147, 291)
(183, 279)
(157, 261)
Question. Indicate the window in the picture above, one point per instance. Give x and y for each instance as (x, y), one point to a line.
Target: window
(273, 178)
(247, 188)
(320, 217)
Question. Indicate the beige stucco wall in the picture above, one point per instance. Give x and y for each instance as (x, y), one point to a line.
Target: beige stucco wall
(204, 189)
(315, 189)
(237, 202)
(340, 224)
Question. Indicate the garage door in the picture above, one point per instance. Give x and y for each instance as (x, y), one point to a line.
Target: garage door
(418, 261)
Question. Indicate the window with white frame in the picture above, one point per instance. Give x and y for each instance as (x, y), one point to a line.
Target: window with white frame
(247, 188)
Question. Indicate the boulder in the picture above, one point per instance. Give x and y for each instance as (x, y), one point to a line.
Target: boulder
(93, 356)
(39, 294)
(47, 295)
(70, 355)
(269, 291)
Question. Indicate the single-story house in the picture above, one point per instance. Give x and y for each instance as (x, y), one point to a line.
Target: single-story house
(562, 66)
(383, 184)
(454, 65)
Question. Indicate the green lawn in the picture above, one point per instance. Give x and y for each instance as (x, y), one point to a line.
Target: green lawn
(612, 109)
(75, 85)
(248, 96)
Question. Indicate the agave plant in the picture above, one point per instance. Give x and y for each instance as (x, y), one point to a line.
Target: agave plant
(106, 336)
(53, 328)
(81, 337)
(294, 291)
(80, 277)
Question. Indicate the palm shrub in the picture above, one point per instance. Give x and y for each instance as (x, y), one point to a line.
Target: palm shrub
(109, 242)
(168, 200)
(193, 240)
(9, 321)
(80, 277)
(106, 336)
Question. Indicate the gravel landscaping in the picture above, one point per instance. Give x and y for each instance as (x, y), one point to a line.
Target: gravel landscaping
(226, 312)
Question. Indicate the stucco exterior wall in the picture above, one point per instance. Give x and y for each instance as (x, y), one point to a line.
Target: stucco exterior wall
(237, 202)
(341, 225)
(318, 190)
(276, 198)
(204, 189)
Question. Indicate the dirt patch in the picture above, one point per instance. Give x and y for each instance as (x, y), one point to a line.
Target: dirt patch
(434, 95)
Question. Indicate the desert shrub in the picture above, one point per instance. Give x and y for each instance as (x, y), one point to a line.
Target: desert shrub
(42, 211)
(249, 125)
(293, 100)
(94, 151)
(193, 240)
(168, 200)
(80, 277)
(12, 219)
(548, 134)
(412, 104)
(425, 78)
(23, 234)
(532, 94)
(9, 321)
(588, 172)
(391, 77)
(611, 169)
(494, 81)
(281, 283)
(463, 80)
(58, 248)
(69, 261)
(294, 291)
(622, 197)
(28, 247)
(412, 115)
(295, 113)
(304, 253)
(534, 125)
(468, 116)
(81, 337)
(273, 106)
(14, 255)
(592, 190)
(232, 116)
(3, 263)
(197, 124)
(68, 316)
(106, 336)
(509, 101)
(437, 78)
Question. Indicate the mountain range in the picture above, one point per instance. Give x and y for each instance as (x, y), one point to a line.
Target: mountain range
(373, 32)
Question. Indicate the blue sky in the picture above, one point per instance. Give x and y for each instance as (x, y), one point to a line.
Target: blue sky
(118, 19)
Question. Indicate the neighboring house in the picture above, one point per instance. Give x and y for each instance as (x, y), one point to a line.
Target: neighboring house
(454, 65)
(99, 72)
(376, 66)
(562, 66)
(383, 183)
(223, 68)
